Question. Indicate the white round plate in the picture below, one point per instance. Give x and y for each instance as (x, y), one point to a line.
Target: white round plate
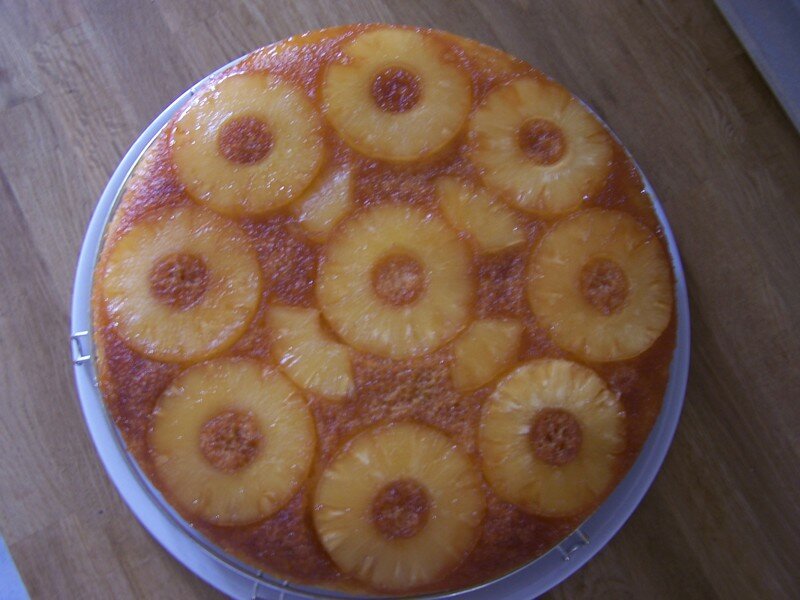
(238, 580)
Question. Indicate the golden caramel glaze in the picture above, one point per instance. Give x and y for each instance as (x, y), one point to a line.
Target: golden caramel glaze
(385, 390)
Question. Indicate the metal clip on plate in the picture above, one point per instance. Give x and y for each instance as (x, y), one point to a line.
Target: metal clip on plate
(576, 540)
(80, 353)
(260, 592)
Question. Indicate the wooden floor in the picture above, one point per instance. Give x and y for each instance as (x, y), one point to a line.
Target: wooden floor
(79, 79)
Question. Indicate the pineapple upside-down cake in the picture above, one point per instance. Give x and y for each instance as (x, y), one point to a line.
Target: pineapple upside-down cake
(384, 310)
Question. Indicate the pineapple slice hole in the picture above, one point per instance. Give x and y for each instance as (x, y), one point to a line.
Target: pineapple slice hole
(398, 279)
(245, 140)
(556, 436)
(396, 90)
(604, 285)
(543, 141)
(400, 510)
(230, 440)
(179, 280)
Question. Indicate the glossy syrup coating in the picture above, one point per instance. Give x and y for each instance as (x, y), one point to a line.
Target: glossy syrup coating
(385, 390)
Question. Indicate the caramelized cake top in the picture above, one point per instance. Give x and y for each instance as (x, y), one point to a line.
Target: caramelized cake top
(383, 309)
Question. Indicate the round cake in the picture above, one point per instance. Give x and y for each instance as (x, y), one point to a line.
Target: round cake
(384, 310)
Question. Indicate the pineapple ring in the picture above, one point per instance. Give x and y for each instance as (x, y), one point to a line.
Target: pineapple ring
(601, 282)
(539, 147)
(348, 490)
(543, 482)
(256, 488)
(154, 256)
(348, 297)
(248, 144)
(396, 98)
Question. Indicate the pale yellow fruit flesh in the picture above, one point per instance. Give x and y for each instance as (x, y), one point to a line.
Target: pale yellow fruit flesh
(326, 203)
(509, 462)
(350, 304)
(308, 356)
(225, 309)
(554, 290)
(490, 223)
(414, 134)
(346, 489)
(288, 168)
(285, 454)
(483, 351)
(547, 190)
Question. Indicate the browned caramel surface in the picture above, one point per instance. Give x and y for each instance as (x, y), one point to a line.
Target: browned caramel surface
(385, 390)
(230, 440)
(179, 280)
(556, 436)
(542, 141)
(401, 509)
(398, 279)
(604, 285)
(396, 90)
(244, 140)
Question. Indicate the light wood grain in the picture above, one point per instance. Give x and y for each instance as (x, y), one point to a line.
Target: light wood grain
(79, 79)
